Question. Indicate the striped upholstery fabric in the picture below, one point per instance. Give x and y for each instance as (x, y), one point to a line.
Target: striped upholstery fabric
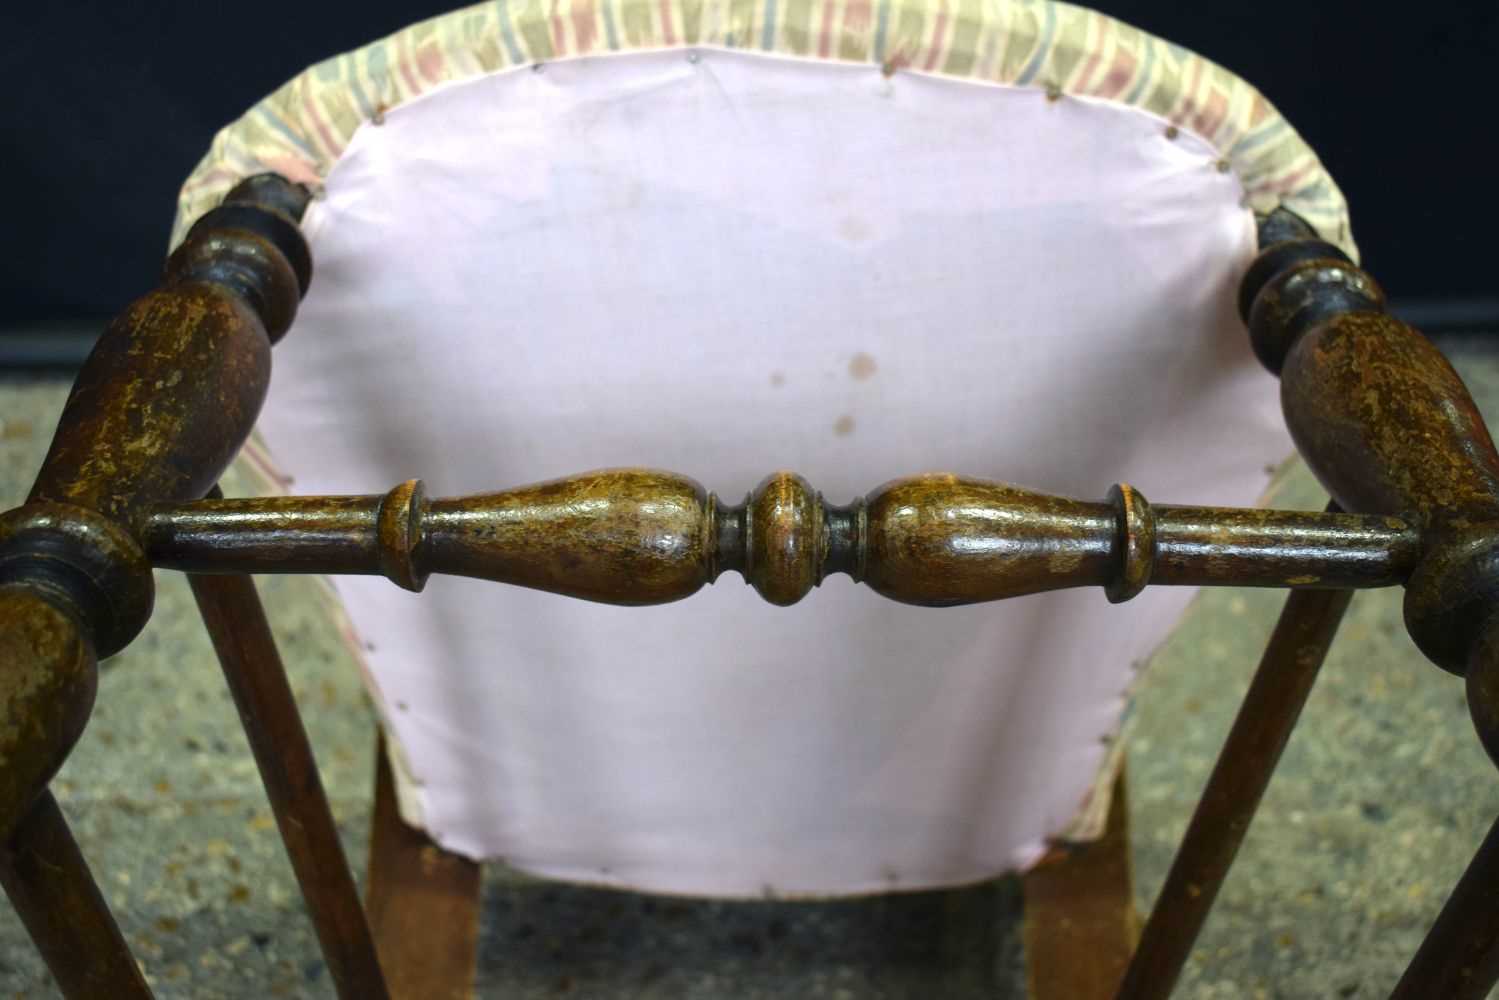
(1066, 51)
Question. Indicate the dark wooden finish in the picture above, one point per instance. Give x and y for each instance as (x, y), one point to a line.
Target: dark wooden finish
(1387, 424)
(1460, 956)
(47, 683)
(173, 386)
(54, 894)
(163, 403)
(635, 536)
(1389, 428)
(257, 680)
(159, 409)
(71, 582)
(176, 382)
(1483, 686)
(1080, 920)
(1268, 714)
(423, 904)
(1250, 547)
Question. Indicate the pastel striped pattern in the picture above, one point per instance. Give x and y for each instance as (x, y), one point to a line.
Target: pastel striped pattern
(1055, 48)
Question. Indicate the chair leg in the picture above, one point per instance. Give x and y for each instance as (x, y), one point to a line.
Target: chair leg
(1269, 712)
(54, 894)
(1080, 920)
(257, 681)
(423, 903)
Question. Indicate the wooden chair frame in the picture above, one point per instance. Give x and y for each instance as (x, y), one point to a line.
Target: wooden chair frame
(1375, 409)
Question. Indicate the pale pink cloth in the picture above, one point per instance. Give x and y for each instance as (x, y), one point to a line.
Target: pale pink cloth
(725, 266)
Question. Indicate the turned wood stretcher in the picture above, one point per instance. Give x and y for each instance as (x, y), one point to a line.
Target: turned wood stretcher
(176, 384)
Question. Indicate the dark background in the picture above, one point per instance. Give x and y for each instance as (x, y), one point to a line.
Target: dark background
(108, 107)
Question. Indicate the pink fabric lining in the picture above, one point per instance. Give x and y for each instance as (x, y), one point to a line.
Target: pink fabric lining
(725, 266)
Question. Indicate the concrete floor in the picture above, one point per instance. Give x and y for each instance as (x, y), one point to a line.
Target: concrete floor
(1381, 798)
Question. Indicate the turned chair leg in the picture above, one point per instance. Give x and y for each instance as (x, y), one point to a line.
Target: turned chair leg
(423, 903)
(236, 623)
(1268, 714)
(54, 894)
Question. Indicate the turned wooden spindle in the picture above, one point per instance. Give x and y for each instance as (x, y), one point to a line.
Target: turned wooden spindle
(72, 583)
(164, 401)
(639, 536)
(160, 407)
(1387, 426)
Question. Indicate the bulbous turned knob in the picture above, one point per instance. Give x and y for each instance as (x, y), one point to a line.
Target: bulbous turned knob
(1453, 594)
(786, 544)
(47, 683)
(252, 245)
(85, 562)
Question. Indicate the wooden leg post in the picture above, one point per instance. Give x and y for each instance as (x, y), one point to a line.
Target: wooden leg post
(257, 680)
(1080, 920)
(55, 895)
(1239, 779)
(423, 903)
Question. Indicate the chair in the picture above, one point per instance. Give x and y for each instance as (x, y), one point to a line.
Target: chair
(1011, 240)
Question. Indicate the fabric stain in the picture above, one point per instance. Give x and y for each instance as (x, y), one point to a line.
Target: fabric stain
(854, 229)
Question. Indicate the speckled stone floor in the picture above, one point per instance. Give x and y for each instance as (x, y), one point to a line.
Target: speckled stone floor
(1383, 794)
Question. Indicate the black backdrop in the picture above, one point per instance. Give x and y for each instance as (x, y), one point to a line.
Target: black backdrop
(106, 108)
